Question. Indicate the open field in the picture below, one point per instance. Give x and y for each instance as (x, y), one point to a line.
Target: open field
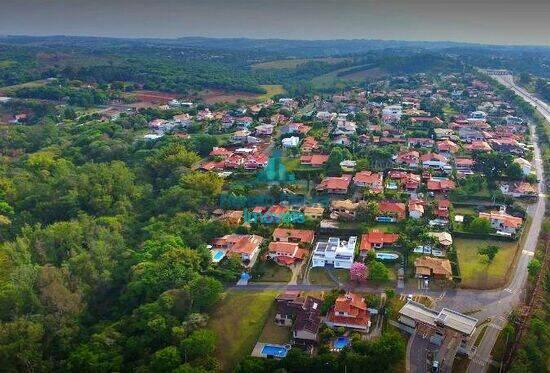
(293, 63)
(476, 272)
(9, 89)
(238, 322)
(338, 78)
(271, 90)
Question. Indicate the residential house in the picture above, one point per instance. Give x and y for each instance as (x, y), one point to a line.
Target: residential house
(343, 209)
(479, 146)
(301, 236)
(303, 313)
(376, 239)
(428, 267)
(349, 311)
(442, 211)
(410, 159)
(507, 145)
(447, 147)
(420, 142)
(314, 212)
(525, 165)
(371, 180)
(335, 252)
(518, 189)
(290, 142)
(416, 208)
(314, 160)
(440, 185)
(464, 166)
(309, 145)
(247, 246)
(335, 184)
(435, 161)
(391, 211)
(286, 253)
(502, 222)
(264, 130)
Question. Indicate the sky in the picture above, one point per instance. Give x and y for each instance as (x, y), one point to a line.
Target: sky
(479, 21)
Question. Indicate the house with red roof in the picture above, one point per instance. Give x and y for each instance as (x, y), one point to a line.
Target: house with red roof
(334, 185)
(286, 253)
(300, 236)
(314, 160)
(416, 208)
(435, 161)
(502, 222)
(349, 311)
(479, 146)
(374, 181)
(442, 210)
(421, 142)
(309, 145)
(440, 185)
(246, 246)
(391, 210)
(410, 159)
(447, 147)
(376, 239)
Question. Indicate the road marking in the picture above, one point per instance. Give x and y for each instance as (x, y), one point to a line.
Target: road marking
(508, 290)
(528, 253)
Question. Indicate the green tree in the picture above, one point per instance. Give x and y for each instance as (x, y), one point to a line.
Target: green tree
(490, 251)
(378, 271)
(534, 267)
(205, 292)
(480, 226)
(199, 344)
(165, 360)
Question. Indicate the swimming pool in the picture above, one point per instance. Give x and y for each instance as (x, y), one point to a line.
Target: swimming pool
(217, 255)
(275, 350)
(340, 342)
(387, 256)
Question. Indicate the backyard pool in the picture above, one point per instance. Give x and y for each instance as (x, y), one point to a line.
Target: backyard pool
(340, 342)
(217, 255)
(279, 351)
(387, 256)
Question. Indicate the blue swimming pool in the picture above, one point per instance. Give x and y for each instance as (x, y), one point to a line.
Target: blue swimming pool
(274, 350)
(341, 342)
(217, 255)
(387, 256)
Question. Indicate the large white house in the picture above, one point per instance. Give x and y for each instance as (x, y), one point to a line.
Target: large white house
(334, 252)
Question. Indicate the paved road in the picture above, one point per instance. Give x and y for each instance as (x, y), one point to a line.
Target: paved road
(417, 351)
(511, 296)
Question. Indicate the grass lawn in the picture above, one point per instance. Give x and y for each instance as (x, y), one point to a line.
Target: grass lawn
(238, 322)
(271, 90)
(387, 228)
(273, 333)
(291, 163)
(275, 273)
(464, 210)
(475, 271)
(319, 276)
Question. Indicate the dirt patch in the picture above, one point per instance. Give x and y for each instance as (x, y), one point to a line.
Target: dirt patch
(214, 96)
(154, 97)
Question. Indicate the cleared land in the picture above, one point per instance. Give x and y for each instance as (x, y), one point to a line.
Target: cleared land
(271, 90)
(273, 333)
(476, 272)
(293, 63)
(275, 272)
(320, 276)
(339, 78)
(238, 322)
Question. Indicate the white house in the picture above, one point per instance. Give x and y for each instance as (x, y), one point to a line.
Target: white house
(525, 165)
(290, 142)
(334, 252)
